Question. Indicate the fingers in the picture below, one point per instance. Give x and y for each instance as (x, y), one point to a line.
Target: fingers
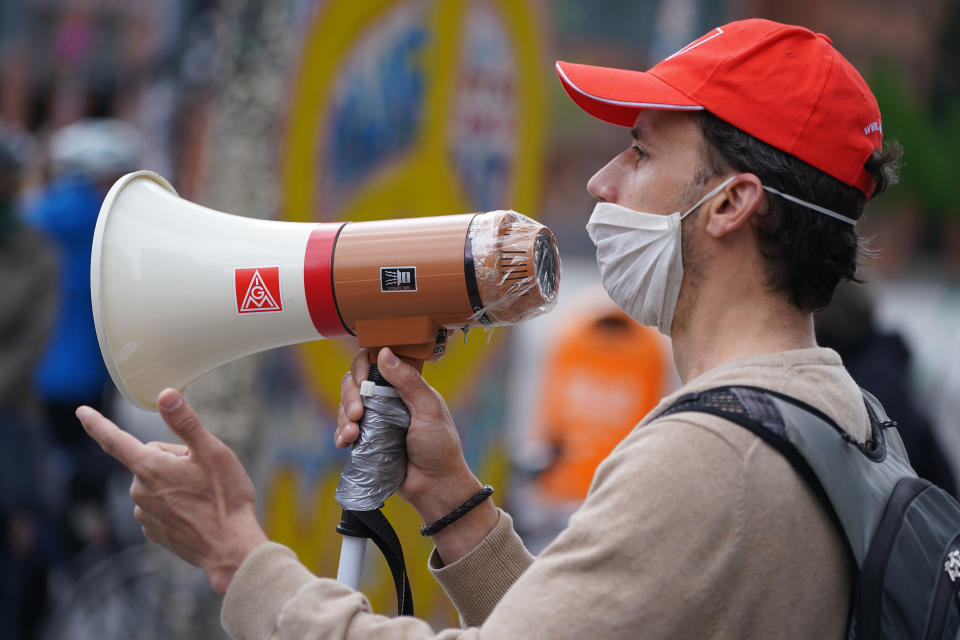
(408, 382)
(152, 527)
(170, 447)
(360, 366)
(183, 421)
(113, 440)
(351, 409)
(347, 430)
(350, 397)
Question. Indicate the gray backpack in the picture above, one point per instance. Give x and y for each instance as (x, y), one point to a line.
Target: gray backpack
(902, 534)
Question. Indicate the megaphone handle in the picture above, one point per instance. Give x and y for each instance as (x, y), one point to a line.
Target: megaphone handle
(356, 527)
(376, 468)
(377, 463)
(352, 551)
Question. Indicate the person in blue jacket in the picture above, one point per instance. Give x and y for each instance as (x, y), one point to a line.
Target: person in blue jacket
(85, 159)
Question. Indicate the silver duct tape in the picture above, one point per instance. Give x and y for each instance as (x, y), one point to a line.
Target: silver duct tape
(378, 459)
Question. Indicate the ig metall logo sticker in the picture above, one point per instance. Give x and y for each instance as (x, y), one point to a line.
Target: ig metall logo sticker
(258, 289)
(398, 279)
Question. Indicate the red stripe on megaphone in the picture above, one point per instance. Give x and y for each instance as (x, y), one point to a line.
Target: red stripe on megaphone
(318, 281)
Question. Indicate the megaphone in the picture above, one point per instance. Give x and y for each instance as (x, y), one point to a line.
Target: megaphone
(179, 289)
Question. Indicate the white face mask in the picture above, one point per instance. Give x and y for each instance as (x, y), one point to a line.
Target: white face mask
(640, 260)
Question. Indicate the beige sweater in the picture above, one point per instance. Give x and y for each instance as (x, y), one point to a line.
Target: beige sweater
(693, 528)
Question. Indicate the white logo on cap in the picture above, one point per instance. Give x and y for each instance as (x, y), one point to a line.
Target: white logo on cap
(696, 43)
(873, 126)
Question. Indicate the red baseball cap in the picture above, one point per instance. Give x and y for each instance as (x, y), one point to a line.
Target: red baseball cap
(782, 84)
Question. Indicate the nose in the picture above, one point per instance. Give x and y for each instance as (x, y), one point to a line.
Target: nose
(602, 185)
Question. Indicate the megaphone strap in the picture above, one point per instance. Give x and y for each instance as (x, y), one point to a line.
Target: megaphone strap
(374, 525)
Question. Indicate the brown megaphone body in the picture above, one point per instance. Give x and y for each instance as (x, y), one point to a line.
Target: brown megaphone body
(179, 289)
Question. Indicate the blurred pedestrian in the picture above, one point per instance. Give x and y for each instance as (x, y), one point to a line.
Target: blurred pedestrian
(603, 369)
(28, 541)
(879, 361)
(85, 158)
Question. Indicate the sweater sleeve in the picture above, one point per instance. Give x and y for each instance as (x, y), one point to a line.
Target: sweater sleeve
(648, 552)
(271, 594)
(476, 582)
(659, 531)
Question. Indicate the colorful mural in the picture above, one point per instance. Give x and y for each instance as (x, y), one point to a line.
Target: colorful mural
(398, 109)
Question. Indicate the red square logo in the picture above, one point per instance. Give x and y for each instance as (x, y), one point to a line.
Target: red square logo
(258, 289)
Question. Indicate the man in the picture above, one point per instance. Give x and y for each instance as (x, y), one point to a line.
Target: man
(770, 143)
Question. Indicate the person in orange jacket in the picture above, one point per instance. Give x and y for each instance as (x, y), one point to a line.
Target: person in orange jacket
(608, 371)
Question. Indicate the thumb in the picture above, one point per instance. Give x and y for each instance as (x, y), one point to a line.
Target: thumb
(183, 421)
(408, 382)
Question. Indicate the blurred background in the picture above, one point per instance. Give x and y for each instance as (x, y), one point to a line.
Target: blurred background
(310, 110)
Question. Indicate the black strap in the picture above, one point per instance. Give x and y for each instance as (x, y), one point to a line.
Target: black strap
(374, 525)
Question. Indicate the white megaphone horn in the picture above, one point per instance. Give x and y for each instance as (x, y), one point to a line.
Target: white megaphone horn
(179, 289)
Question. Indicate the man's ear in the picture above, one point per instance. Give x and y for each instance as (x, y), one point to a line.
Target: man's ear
(740, 200)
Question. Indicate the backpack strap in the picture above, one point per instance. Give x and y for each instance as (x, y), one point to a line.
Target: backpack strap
(878, 416)
(832, 463)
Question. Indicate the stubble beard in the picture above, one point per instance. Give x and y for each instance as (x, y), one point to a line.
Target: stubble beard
(693, 269)
(692, 255)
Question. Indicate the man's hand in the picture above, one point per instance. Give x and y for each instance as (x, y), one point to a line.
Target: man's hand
(438, 479)
(195, 499)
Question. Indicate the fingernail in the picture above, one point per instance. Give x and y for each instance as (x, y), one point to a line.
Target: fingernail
(171, 402)
(392, 360)
(82, 412)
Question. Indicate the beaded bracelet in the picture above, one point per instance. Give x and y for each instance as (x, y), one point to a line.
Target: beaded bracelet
(431, 529)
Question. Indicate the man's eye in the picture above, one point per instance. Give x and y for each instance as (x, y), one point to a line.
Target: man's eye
(641, 154)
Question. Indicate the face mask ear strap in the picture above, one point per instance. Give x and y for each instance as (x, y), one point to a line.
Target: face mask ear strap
(712, 193)
(786, 196)
(810, 205)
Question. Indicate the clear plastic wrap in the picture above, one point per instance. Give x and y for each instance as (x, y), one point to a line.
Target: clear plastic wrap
(516, 266)
(378, 459)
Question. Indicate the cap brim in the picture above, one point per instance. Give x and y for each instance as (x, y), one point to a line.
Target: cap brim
(617, 95)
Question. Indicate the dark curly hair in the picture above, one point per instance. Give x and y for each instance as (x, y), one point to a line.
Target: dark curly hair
(808, 253)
